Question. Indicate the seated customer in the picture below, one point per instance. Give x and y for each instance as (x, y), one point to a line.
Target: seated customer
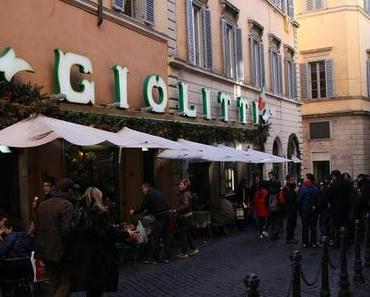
(14, 243)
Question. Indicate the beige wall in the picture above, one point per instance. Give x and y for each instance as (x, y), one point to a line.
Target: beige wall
(339, 32)
(40, 26)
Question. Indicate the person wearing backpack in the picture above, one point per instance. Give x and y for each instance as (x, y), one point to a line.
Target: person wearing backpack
(308, 199)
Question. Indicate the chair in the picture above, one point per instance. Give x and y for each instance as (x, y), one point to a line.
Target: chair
(16, 275)
(202, 220)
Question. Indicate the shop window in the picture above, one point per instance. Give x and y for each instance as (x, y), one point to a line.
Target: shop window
(142, 10)
(232, 44)
(314, 4)
(317, 79)
(229, 177)
(93, 166)
(320, 130)
(199, 33)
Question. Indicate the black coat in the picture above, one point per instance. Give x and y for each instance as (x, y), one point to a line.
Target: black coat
(339, 196)
(94, 261)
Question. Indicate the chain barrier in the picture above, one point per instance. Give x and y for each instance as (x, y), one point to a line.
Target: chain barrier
(332, 266)
(310, 284)
(290, 288)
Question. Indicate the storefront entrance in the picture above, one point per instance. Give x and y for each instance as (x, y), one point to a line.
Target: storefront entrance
(9, 184)
(321, 169)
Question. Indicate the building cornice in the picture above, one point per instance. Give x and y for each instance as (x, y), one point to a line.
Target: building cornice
(181, 64)
(120, 19)
(313, 13)
(316, 50)
(335, 114)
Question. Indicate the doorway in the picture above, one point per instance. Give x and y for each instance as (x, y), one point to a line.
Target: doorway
(9, 184)
(321, 169)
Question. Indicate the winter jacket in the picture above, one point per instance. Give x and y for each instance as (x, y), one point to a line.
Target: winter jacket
(94, 260)
(308, 197)
(339, 195)
(260, 202)
(290, 199)
(185, 203)
(154, 203)
(53, 226)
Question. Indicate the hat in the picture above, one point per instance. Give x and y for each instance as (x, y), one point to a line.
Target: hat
(335, 173)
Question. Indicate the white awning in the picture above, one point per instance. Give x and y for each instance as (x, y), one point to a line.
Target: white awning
(145, 140)
(39, 130)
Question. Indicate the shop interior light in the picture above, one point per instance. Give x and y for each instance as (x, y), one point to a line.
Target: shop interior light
(144, 149)
(5, 149)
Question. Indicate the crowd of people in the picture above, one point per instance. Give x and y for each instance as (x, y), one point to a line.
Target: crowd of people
(322, 207)
(75, 237)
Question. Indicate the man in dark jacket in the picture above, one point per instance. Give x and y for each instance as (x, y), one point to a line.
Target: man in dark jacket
(53, 227)
(289, 195)
(339, 197)
(308, 198)
(363, 184)
(155, 203)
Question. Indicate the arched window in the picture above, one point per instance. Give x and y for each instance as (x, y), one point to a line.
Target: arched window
(294, 168)
(277, 150)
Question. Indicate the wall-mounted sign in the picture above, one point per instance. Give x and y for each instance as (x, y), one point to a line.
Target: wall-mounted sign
(85, 93)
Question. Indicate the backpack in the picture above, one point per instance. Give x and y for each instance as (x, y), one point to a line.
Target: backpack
(273, 203)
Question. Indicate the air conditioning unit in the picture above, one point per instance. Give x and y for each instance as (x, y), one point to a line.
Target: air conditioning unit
(118, 5)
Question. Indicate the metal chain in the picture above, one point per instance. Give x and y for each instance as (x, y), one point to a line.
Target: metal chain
(290, 288)
(332, 266)
(310, 284)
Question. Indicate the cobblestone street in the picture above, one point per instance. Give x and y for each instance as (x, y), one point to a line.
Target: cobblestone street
(221, 266)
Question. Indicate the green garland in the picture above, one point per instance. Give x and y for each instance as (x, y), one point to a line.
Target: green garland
(18, 101)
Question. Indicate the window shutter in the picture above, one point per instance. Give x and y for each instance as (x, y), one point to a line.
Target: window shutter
(239, 54)
(262, 65)
(119, 5)
(291, 8)
(329, 74)
(208, 39)
(286, 78)
(368, 77)
(310, 5)
(272, 74)
(149, 12)
(252, 61)
(190, 28)
(280, 77)
(294, 81)
(225, 48)
(318, 4)
(306, 88)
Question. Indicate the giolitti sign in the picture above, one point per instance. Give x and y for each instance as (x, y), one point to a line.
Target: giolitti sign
(248, 112)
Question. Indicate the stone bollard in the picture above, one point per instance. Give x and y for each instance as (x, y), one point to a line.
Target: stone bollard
(252, 282)
(344, 282)
(367, 241)
(325, 289)
(296, 258)
(357, 268)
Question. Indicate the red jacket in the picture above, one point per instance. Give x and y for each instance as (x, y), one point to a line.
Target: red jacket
(260, 202)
